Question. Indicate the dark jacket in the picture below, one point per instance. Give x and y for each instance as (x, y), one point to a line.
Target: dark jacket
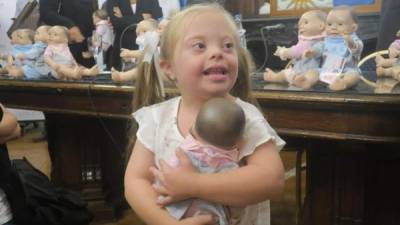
(72, 13)
(128, 19)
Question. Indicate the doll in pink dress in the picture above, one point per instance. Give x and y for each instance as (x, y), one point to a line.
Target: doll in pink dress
(303, 73)
(59, 58)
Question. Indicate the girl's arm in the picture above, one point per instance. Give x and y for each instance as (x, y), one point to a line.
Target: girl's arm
(141, 196)
(9, 128)
(260, 179)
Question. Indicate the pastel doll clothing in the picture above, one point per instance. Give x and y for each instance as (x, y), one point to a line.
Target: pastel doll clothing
(396, 45)
(206, 159)
(39, 68)
(159, 133)
(18, 49)
(302, 65)
(60, 54)
(105, 33)
(351, 57)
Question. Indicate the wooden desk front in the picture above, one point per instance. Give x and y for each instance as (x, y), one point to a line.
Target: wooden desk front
(352, 141)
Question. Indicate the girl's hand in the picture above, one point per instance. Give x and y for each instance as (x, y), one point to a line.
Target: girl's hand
(177, 183)
(199, 220)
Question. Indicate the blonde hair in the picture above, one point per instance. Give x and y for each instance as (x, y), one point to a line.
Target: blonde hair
(101, 14)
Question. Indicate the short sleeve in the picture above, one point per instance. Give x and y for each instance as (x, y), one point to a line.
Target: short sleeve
(259, 132)
(147, 127)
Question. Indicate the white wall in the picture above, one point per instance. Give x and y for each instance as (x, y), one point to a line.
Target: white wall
(7, 10)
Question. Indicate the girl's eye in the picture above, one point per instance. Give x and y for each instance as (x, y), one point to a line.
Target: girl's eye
(199, 45)
(228, 45)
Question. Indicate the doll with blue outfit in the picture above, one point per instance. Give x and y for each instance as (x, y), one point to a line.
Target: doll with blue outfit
(37, 69)
(341, 50)
(21, 40)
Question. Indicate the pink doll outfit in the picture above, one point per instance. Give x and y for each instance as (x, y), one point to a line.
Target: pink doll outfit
(207, 159)
(301, 64)
(60, 54)
(105, 32)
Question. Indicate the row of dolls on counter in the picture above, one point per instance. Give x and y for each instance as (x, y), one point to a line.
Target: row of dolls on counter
(45, 52)
(329, 50)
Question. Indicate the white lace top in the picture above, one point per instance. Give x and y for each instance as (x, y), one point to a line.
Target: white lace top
(158, 131)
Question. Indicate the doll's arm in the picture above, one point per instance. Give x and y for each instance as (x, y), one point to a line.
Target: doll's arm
(142, 197)
(283, 53)
(129, 75)
(32, 54)
(252, 183)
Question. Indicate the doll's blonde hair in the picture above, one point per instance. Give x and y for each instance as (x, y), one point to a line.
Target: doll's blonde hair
(101, 14)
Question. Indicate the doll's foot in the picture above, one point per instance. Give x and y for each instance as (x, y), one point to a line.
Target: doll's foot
(378, 60)
(301, 82)
(271, 76)
(93, 71)
(115, 74)
(339, 84)
(3, 71)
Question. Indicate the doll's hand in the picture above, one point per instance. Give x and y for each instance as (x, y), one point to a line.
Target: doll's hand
(278, 51)
(309, 53)
(21, 56)
(349, 41)
(175, 181)
(125, 53)
(75, 35)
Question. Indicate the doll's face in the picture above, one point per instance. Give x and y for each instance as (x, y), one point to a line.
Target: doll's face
(42, 34)
(310, 24)
(143, 27)
(95, 19)
(57, 35)
(340, 22)
(161, 26)
(20, 38)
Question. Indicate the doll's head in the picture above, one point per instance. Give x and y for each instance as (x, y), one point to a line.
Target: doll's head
(22, 37)
(161, 25)
(312, 23)
(341, 20)
(99, 15)
(58, 35)
(42, 34)
(220, 122)
(146, 26)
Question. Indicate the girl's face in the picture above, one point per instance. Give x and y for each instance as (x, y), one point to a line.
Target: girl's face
(205, 62)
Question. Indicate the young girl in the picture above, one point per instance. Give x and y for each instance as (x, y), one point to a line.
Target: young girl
(199, 51)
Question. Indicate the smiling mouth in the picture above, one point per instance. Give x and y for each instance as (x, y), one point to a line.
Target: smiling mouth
(215, 71)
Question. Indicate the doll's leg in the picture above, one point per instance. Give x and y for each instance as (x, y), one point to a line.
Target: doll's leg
(344, 81)
(271, 76)
(306, 81)
(69, 72)
(3, 71)
(382, 62)
(129, 75)
(393, 52)
(92, 71)
(14, 71)
(10, 60)
(384, 72)
(396, 72)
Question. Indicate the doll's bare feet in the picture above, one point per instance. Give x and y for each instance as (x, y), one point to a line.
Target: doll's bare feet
(93, 71)
(306, 81)
(383, 72)
(338, 84)
(3, 71)
(15, 72)
(115, 74)
(383, 62)
(271, 76)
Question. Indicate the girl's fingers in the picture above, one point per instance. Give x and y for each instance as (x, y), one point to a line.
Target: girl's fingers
(158, 175)
(164, 200)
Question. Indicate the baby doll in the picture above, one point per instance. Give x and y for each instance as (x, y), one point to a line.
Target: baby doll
(303, 73)
(102, 37)
(147, 40)
(213, 147)
(394, 53)
(341, 50)
(59, 58)
(21, 41)
(38, 68)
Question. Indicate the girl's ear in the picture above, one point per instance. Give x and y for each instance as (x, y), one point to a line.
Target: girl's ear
(167, 69)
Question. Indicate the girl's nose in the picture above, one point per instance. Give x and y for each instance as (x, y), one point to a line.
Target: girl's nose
(216, 52)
